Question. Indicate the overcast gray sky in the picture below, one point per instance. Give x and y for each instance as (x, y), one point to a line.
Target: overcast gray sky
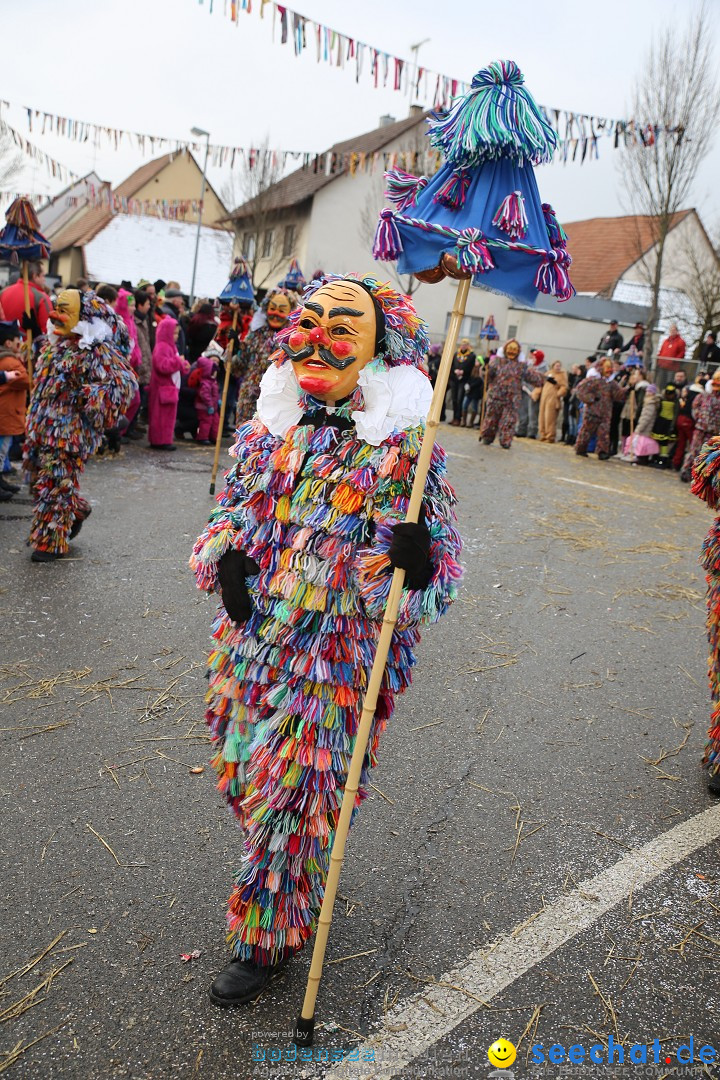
(163, 67)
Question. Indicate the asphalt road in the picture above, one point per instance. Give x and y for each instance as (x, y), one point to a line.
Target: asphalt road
(555, 725)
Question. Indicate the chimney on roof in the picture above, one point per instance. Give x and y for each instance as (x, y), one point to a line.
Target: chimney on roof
(386, 120)
(416, 110)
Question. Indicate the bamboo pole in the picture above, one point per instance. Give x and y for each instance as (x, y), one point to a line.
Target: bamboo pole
(223, 404)
(303, 1034)
(632, 412)
(28, 332)
(486, 366)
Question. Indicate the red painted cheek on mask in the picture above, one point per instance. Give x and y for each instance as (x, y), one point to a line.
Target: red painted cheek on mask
(297, 340)
(316, 384)
(341, 349)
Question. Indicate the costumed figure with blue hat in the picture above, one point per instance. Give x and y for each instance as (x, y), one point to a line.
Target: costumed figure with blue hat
(237, 303)
(84, 384)
(252, 358)
(295, 279)
(301, 550)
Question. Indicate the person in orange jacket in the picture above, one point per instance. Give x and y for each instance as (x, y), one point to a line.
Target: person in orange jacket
(14, 384)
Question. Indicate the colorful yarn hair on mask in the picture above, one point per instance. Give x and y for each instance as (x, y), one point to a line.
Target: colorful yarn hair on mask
(498, 118)
(406, 336)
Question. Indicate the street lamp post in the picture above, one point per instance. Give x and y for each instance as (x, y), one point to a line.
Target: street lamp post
(200, 134)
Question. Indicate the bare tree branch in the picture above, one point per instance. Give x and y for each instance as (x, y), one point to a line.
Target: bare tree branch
(701, 285)
(259, 230)
(677, 92)
(11, 161)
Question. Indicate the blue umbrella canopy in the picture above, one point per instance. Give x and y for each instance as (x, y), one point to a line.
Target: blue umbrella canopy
(239, 288)
(481, 215)
(21, 238)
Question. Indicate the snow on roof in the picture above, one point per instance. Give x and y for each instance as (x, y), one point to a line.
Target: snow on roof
(133, 247)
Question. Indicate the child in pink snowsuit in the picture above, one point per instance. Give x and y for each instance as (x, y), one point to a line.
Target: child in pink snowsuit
(204, 379)
(167, 367)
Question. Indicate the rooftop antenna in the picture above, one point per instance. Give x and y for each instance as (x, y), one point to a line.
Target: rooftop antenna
(415, 49)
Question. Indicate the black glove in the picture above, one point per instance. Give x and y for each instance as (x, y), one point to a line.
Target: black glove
(551, 379)
(233, 568)
(29, 322)
(410, 551)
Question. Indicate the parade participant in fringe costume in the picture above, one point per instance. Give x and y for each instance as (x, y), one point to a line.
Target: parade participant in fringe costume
(505, 376)
(597, 392)
(254, 351)
(83, 385)
(706, 485)
(302, 549)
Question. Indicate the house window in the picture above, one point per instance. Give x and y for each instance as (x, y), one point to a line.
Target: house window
(267, 244)
(248, 245)
(512, 331)
(474, 328)
(289, 240)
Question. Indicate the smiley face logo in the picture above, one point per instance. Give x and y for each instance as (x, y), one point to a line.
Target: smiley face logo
(502, 1053)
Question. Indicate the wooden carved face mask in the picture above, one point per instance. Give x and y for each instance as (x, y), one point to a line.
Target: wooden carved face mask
(66, 314)
(512, 349)
(278, 309)
(334, 340)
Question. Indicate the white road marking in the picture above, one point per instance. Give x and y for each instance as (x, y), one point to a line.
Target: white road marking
(465, 457)
(601, 487)
(411, 1028)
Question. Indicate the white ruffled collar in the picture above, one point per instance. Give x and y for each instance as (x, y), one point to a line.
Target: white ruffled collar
(395, 398)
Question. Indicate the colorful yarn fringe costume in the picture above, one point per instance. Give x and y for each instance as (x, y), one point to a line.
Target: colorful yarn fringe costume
(313, 498)
(84, 384)
(706, 485)
(481, 214)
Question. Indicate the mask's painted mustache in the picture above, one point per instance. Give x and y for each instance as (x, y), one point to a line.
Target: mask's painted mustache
(324, 354)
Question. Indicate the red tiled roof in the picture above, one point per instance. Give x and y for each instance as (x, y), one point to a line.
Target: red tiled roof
(304, 183)
(603, 249)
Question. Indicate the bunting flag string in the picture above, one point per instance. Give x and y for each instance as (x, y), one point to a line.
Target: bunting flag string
(579, 135)
(54, 168)
(105, 199)
(578, 132)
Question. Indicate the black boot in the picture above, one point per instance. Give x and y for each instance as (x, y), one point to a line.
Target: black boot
(45, 556)
(78, 524)
(713, 781)
(5, 485)
(241, 982)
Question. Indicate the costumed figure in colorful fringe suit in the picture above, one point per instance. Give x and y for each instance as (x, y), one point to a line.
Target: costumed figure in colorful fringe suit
(84, 384)
(505, 376)
(302, 549)
(706, 485)
(253, 356)
(597, 392)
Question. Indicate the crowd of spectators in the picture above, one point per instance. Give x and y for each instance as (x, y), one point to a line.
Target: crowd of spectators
(176, 350)
(609, 404)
